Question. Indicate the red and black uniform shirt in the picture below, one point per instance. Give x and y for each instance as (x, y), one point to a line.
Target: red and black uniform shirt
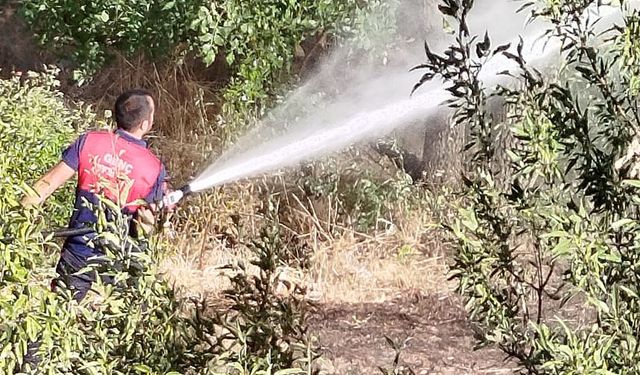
(102, 160)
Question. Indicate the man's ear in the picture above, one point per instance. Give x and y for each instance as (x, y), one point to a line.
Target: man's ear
(145, 126)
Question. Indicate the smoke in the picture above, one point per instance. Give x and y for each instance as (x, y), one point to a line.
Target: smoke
(351, 99)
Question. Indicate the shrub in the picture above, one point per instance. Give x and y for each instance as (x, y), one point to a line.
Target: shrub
(365, 199)
(265, 326)
(546, 253)
(257, 43)
(35, 126)
(90, 31)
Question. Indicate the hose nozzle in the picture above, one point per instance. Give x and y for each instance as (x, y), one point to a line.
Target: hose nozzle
(176, 196)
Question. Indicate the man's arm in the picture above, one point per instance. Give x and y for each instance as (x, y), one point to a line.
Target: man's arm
(146, 216)
(49, 183)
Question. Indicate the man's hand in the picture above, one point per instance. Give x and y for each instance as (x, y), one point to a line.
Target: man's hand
(146, 220)
(47, 184)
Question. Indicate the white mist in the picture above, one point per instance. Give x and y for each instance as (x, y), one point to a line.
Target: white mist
(337, 108)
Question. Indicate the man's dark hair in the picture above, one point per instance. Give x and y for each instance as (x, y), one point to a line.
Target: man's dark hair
(132, 108)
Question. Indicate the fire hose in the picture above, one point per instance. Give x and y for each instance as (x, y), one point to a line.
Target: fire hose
(169, 200)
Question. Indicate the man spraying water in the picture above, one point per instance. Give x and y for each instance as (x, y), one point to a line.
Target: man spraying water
(101, 160)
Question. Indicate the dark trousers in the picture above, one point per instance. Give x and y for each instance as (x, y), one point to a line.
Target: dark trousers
(70, 277)
(73, 275)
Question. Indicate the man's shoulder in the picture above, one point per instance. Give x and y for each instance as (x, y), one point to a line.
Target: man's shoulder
(98, 132)
(150, 155)
(95, 133)
(156, 158)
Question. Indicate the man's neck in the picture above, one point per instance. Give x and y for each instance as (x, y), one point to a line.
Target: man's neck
(137, 134)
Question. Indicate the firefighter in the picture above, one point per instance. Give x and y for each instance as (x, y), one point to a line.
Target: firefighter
(106, 164)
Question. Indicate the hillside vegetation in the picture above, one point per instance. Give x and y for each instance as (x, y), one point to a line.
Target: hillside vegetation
(537, 235)
(546, 252)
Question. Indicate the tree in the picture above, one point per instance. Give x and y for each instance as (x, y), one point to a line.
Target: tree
(546, 251)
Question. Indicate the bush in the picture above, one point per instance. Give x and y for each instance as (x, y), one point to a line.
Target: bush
(265, 326)
(547, 252)
(257, 43)
(35, 126)
(365, 197)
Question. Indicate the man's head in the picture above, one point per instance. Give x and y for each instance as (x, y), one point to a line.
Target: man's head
(134, 111)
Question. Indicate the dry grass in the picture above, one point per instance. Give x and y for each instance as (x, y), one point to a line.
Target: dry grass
(353, 271)
(186, 105)
(194, 274)
(406, 257)
(346, 270)
(187, 97)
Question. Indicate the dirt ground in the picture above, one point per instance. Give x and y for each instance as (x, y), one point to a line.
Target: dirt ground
(436, 335)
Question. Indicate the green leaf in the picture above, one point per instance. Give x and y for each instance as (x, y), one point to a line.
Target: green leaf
(143, 369)
(629, 291)
(230, 58)
(622, 223)
(613, 256)
(469, 219)
(600, 305)
(633, 183)
(562, 247)
(104, 16)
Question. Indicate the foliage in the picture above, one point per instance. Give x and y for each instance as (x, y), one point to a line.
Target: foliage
(89, 30)
(547, 250)
(257, 43)
(264, 327)
(35, 121)
(137, 324)
(373, 31)
(362, 199)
